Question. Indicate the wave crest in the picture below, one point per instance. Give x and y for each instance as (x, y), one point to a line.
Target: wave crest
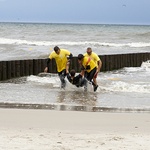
(71, 43)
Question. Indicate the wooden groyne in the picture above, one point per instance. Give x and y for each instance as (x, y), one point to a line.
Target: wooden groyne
(20, 68)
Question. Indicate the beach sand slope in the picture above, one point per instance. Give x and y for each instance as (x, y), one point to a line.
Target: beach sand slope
(23, 129)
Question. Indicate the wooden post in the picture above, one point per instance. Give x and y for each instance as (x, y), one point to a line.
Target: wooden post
(107, 63)
(75, 65)
(1, 71)
(53, 66)
(9, 70)
(35, 66)
(4, 70)
(103, 68)
(119, 61)
(13, 69)
(17, 64)
(26, 67)
(43, 64)
(39, 65)
(31, 67)
(22, 68)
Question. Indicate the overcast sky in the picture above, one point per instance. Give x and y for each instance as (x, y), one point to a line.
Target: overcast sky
(76, 11)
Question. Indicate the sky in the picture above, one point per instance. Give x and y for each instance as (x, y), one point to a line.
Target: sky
(76, 11)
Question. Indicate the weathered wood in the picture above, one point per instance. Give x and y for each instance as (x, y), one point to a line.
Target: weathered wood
(35, 66)
(103, 68)
(9, 70)
(1, 71)
(4, 70)
(19, 68)
(17, 64)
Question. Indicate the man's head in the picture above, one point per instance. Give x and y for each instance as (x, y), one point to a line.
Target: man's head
(72, 73)
(89, 51)
(80, 58)
(57, 49)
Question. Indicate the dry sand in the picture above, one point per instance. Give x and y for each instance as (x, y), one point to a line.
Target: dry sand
(22, 129)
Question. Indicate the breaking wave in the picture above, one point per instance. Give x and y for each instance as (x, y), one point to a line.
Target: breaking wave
(71, 43)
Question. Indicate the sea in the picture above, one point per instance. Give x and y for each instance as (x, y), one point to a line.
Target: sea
(123, 90)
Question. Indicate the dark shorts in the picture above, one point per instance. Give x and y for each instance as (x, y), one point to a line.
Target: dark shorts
(62, 73)
(90, 75)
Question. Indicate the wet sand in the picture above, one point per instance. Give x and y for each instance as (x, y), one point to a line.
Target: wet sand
(73, 130)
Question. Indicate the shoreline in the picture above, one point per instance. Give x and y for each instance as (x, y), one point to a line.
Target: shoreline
(69, 107)
(73, 130)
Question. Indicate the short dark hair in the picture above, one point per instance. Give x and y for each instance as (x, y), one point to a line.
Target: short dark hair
(89, 48)
(72, 72)
(80, 56)
(56, 48)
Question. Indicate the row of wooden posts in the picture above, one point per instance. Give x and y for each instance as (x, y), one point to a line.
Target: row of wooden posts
(19, 68)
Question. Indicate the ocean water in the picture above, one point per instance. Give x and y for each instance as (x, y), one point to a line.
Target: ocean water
(24, 41)
(124, 89)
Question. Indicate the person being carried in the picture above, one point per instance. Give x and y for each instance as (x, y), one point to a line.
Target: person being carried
(61, 57)
(89, 53)
(77, 80)
(88, 68)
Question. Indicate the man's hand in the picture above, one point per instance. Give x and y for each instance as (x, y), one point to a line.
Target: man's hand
(67, 66)
(46, 69)
(68, 62)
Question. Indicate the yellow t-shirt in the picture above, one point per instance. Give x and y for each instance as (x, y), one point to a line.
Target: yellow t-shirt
(93, 56)
(88, 62)
(60, 59)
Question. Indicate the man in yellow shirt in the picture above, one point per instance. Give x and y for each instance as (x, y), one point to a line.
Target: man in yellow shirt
(61, 56)
(89, 68)
(96, 59)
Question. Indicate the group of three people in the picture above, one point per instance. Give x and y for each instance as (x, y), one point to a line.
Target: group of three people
(90, 65)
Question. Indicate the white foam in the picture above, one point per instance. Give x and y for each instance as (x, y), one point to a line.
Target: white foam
(128, 79)
(43, 80)
(54, 81)
(120, 86)
(71, 43)
(146, 65)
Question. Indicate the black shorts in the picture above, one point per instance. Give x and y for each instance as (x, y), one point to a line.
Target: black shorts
(62, 73)
(90, 75)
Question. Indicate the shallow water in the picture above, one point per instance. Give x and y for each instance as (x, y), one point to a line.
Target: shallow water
(126, 89)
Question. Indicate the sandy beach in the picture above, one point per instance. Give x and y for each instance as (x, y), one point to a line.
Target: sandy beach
(28, 129)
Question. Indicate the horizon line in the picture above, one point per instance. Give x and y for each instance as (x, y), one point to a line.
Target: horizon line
(75, 23)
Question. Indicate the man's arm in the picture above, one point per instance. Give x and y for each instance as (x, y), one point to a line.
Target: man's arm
(46, 68)
(67, 72)
(99, 62)
(82, 71)
(67, 67)
(69, 57)
(99, 65)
